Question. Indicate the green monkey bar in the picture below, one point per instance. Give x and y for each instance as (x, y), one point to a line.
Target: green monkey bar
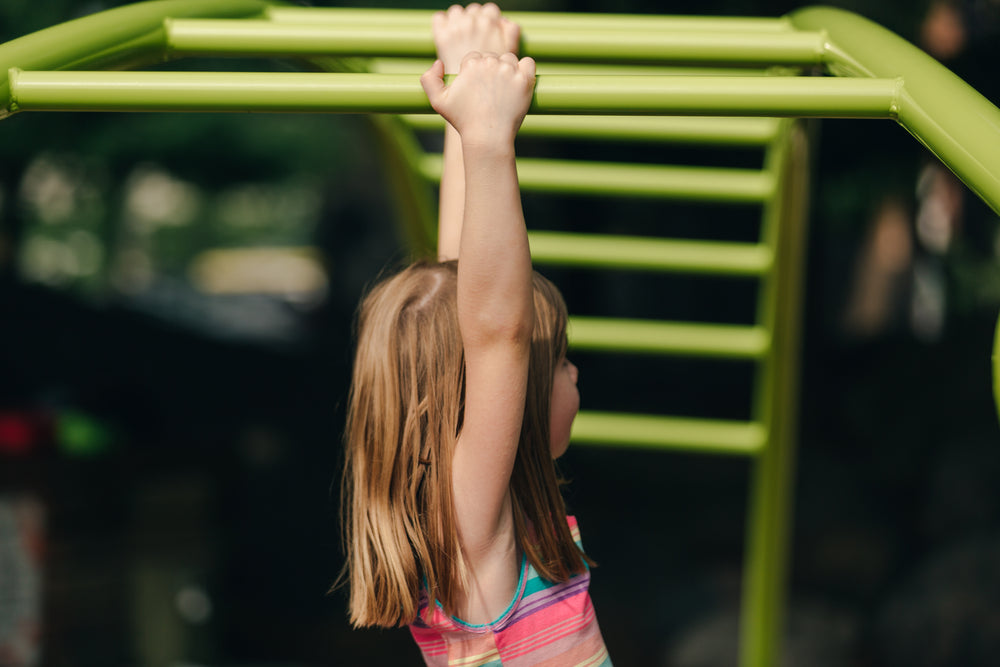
(677, 80)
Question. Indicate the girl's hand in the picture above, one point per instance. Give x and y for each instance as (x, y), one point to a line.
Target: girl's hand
(458, 32)
(488, 99)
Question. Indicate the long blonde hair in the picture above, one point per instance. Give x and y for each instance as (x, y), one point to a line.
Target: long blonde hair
(403, 418)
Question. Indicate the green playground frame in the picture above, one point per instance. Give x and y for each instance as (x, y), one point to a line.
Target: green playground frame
(610, 77)
(878, 75)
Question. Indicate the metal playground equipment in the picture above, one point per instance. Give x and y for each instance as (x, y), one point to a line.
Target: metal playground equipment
(613, 78)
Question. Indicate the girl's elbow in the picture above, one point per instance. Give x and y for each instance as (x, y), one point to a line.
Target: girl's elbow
(489, 329)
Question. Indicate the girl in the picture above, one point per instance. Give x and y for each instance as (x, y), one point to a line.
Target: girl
(462, 397)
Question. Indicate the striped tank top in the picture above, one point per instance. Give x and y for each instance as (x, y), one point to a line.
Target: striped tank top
(545, 624)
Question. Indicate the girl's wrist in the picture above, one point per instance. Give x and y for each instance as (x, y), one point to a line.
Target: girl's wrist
(488, 141)
(487, 151)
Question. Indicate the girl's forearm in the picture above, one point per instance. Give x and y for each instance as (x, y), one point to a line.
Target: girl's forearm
(451, 202)
(495, 267)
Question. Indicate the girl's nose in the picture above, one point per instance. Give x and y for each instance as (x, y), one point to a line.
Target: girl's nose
(574, 372)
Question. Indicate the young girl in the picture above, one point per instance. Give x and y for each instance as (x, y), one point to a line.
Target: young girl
(462, 397)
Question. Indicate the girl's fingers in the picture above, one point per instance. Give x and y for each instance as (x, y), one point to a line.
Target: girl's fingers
(472, 55)
(511, 34)
(432, 82)
(527, 66)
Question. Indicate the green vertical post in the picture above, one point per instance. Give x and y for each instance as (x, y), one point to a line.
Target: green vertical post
(770, 512)
(996, 368)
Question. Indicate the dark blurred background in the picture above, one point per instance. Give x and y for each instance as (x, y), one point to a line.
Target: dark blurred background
(176, 294)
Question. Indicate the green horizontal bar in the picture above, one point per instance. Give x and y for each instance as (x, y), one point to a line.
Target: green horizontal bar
(299, 91)
(649, 254)
(265, 38)
(716, 47)
(530, 21)
(715, 184)
(682, 339)
(562, 68)
(719, 96)
(401, 65)
(672, 129)
(215, 91)
(220, 36)
(655, 432)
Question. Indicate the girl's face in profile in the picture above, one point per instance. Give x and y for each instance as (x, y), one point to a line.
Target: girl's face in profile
(565, 404)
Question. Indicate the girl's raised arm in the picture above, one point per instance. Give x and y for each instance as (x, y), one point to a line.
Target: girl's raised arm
(486, 103)
(456, 33)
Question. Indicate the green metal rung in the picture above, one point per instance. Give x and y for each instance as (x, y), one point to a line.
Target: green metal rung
(531, 21)
(207, 36)
(682, 339)
(705, 436)
(606, 251)
(753, 132)
(388, 65)
(717, 184)
(804, 97)
(306, 91)
(793, 49)
(615, 69)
